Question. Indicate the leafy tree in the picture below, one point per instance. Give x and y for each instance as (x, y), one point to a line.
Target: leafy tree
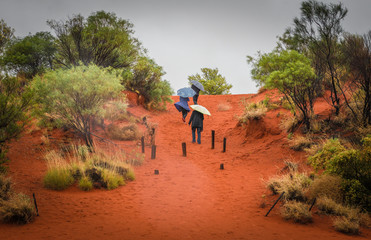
(318, 32)
(30, 55)
(213, 82)
(357, 57)
(291, 73)
(76, 96)
(102, 39)
(145, 79)
(6, 33)
(14, 105)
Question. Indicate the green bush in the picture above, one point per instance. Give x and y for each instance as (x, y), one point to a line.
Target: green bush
(18, 209)
(112, 180)
(330, 149)
(58, 179)
(297, 211)
(85, 184)
(356, 194)
(130, 175)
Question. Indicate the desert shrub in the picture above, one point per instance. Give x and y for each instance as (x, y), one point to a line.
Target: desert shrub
(130, 175)
(58, 179)
(298, 143)
(330, 148)
(346, 225)
(297, 211)
(85, 184)
(294, 185)
(126, 133)
(116, 110)
(355, 193)
(289, 124)
(5, 187)
(135, 158)
(112, 180)
(329, 206)
(18, 209)
(252, 111)
(326, 186)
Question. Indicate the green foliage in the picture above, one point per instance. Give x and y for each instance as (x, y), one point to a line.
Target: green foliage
(291, 73)
(58, 178)
(85, 184)
(145, 78)
(331, 148)
(102, 39)
(214, 83)
(30, 55)
(15, 102)
(6, 33)
(112, 180)
(18, 209)
(355, 193)
(76, 96)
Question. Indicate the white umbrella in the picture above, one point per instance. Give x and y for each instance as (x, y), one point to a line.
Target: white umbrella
(200, 109)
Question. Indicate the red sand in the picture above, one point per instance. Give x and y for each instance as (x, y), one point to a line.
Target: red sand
(191, 198)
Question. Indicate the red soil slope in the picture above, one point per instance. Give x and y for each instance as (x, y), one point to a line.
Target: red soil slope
(190, 198)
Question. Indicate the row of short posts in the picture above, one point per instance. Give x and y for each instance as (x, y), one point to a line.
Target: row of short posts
(153, 146)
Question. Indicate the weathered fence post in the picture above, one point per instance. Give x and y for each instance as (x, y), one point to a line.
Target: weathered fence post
(184, 147)
(212, 139)
(274, 204)
(314, 201)
(221, 166)
(34, 200)
(153, 152)
(224, 144)
(142, 140)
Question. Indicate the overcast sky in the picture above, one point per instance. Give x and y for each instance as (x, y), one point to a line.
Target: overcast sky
(184, 36)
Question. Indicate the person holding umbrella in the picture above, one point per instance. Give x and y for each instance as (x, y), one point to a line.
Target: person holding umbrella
(182, 105)
(197, 120)
(196, 86)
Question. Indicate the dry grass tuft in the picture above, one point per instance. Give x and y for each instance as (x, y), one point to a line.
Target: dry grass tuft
(5, 187)
(288, 124)
(18, 209)
(299, 143)
(127, 133)
(346, 225)
(252, 111)
(326, 186)
(296, 211)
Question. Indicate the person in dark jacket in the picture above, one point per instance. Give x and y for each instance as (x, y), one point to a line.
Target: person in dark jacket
(197, 120)
(182, 106)
(197, 90)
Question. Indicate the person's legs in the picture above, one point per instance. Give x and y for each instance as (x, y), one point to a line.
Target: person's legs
(195, 98)
(184, 114)
(199, 135)
(193, 134)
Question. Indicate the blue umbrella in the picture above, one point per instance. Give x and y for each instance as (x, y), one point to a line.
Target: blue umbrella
(198, 85)
(186, 92)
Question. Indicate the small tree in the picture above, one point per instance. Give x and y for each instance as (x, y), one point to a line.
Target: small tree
(145, 79)
(75, 96)
(14, 105)
(6, 33)
(213, 82)
(30, 55)
(291, 73)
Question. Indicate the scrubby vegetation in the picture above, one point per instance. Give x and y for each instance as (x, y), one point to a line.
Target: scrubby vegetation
(14, 207)
(88, 169)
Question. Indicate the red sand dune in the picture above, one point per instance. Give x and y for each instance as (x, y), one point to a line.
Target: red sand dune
(190, 198)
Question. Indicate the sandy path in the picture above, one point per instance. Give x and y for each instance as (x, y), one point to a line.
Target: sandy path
(191, 198)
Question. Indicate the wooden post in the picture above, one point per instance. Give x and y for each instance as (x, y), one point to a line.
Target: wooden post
(184, 147)
(34, 200)
(153, 142)
(224, 144)
(314, 201)
(142, 144)
(212, 139)
(156, 172)
(274, 204)
(221, 166)
(153, 153)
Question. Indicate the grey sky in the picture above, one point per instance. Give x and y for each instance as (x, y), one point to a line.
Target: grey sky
(185, 36)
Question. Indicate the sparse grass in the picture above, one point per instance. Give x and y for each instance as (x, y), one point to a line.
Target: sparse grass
(326, 186)
(294, 184)
(298, 143)
(126, 133)
(252, 111)
(116, 110)
(5, 187)
(18, 209)
(346, 225)
(329, 206)
(296, 211)
(85, 184)
(288, 124)
(97, 169)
